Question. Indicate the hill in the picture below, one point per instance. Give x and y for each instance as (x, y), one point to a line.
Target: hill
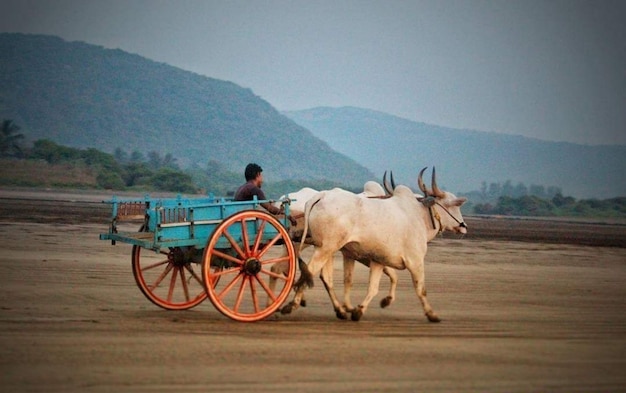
(82, 95)
(466, 158)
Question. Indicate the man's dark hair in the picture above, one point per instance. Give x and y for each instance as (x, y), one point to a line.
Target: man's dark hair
(252, 170)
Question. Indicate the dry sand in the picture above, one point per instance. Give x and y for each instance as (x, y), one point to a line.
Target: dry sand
(527, 306)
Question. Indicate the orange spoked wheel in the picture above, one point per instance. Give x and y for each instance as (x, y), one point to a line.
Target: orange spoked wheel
(169, 278)
(237, 266)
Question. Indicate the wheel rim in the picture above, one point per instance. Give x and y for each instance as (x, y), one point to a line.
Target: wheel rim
(255, 242)
(169, 278)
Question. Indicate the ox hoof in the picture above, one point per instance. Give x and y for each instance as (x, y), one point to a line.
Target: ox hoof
(341, 314)
(432, 317)
(357, 313)
(386, 302)
(287, 309)
(303, 303)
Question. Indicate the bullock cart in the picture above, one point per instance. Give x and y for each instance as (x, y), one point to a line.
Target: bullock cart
(188, 249)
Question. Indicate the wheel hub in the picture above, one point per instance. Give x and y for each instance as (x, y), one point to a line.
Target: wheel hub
(252, 266)
(181, 256)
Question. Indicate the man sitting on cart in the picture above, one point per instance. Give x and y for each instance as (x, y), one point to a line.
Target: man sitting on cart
(252, 187)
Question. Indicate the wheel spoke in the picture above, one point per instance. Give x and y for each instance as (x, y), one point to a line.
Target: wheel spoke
(230, 286)
(157, 282)
(224, 272)
(244, 238)
(156, 264)
(228, 257)
(259, 236)
(255, 300)
(278, 276)
(184, 282)
(170, 293)
(242, 289)
(276, 260)
(269, 245)
(266, 288)
(234, 243)
(194, 275)
(215, 275)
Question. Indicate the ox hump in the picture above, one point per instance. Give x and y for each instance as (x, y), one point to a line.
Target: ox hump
(403, 191)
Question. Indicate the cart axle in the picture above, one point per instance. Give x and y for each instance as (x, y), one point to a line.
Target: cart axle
(252, 266)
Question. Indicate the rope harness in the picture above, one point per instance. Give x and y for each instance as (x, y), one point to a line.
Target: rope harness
(430, 203)
(461, 223)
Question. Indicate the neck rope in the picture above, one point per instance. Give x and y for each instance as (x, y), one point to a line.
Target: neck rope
(430, 203)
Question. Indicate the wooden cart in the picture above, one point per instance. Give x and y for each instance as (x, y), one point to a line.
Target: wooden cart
(186, 249)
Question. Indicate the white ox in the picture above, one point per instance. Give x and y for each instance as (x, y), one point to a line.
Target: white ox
(298, 199)
(391, 232)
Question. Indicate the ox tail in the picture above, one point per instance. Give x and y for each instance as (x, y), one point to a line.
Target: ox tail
(307, 213)
(306, 278)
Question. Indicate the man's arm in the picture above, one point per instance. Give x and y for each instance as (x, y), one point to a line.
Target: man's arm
(271, 208)
(275, 211)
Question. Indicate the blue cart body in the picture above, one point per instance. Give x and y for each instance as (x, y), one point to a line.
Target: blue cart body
(178, 222)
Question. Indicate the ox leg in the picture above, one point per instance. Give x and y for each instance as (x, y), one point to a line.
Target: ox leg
(389, 272)
(281, 268)
(277, 268)
(303, 300)
(327, 279)
(393, 284)
(417, 273)
(318, 260)
(376, 271)
(348, 269)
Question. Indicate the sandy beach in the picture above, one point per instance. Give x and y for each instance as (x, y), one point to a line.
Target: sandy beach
(526, 306)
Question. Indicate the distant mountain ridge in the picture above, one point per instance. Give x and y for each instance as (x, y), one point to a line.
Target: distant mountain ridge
(83, 95)
(466, 158)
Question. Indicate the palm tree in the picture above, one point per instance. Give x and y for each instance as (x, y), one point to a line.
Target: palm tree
(10, 139)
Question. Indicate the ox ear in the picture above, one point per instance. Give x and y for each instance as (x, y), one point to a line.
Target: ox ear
(459, 201)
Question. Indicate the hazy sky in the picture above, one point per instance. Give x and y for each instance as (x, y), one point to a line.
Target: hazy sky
(553, 70)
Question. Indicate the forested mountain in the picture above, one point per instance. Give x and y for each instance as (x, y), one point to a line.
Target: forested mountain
(82, 95)
(464, 158)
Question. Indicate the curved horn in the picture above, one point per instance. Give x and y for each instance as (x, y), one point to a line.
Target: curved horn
(393, 183)
(386, 185)
(420, 183)
(436, 191)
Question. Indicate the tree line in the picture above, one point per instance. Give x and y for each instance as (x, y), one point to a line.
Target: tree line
(536, 200)
(121, 171)
(136, 171)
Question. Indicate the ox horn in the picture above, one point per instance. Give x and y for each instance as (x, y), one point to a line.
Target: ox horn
(386, 184)
(436, 191)
(421, 184)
